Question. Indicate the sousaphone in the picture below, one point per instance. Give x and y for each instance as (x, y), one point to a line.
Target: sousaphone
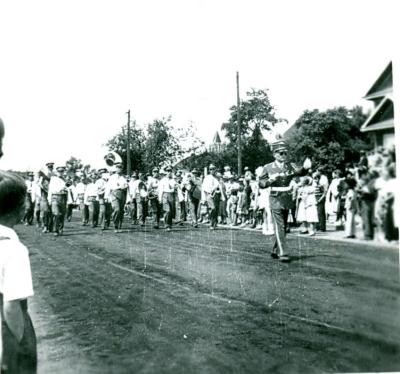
(112, 158)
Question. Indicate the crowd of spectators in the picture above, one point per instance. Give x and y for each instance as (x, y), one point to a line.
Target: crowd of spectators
(363, 194)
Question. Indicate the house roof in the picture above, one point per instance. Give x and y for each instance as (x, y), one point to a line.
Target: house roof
(216, 138)
(383, 85)
(381, 118)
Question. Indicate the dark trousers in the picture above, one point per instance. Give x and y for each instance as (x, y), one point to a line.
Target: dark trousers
(59, 207)
(168, 204)
(367, 216)
(194, 207)
(133, 210)
(93, 212)
(321, 216)
(29, 208)
(19, 357)
(45, 214)
(213, 205)
(118, 203)
(70, 208)
(156, 210)
(279, 219)
(180, 210)
(104, 214)
(141, 209)
(223, 211)
(37, 211)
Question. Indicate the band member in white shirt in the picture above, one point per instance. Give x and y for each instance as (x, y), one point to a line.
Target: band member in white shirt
(80, 199)
(118, 186)
(102, 197)
(91, 200)
(57, 198)
(211, 193)
(152, 194)
(166, 195)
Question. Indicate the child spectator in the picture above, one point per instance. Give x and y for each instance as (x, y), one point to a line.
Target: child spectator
(307, 209)
(351, 208)
(242, 210)
(18, 343)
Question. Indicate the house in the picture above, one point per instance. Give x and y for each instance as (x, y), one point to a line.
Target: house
(380, 123)
(216, 146)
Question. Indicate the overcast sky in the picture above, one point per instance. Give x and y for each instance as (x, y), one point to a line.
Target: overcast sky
(69, 70)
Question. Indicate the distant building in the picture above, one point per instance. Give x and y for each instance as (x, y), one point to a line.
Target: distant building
(216, 146)
(380, 124)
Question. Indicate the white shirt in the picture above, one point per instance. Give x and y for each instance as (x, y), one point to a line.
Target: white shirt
(166, 185)
(117, 182)
(152, 185)
(210, 184)
(80, 188)
(15, 268)
(71, 197)
(91, 191)
(134, 187)
(100, 185)
(56, 186)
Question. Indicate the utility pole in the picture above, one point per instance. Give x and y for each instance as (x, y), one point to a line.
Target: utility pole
(128, 144)
(239, 128)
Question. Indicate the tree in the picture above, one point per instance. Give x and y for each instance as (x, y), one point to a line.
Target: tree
(161, 147)
(188, 140)
(73, 164)
(257, 114)
(118, 144)
(331, 138)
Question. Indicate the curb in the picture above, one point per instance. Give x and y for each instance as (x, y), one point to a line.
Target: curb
(369, 243)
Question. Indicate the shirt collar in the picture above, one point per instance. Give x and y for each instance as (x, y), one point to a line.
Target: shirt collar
(8, 232)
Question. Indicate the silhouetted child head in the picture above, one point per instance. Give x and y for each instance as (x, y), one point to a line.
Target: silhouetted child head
(12, 197)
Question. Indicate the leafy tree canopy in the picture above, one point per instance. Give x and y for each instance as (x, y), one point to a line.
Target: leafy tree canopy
(331, 138)
(256, 113)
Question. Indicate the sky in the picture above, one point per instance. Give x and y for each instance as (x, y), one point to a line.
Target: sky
(70, 70)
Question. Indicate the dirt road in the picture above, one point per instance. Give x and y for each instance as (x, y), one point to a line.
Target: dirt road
(200, 301)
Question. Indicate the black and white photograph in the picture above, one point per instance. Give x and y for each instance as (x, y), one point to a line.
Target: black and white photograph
(199, 186)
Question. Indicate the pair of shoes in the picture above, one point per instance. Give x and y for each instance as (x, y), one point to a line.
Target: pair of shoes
(350, 237)
(311, 233)
(56, 234)
(284, 258)
(195, 225)
(44, 231)
(304, 232)
(155, 227)
(212, 228)
(274, 255)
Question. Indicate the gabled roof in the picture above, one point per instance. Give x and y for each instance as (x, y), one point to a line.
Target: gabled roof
(381, 118)
(383, 85)
(216, 139)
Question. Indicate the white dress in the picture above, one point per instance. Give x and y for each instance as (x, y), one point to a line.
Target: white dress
(307, 209)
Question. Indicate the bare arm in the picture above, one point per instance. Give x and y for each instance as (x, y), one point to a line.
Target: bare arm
(14, 318)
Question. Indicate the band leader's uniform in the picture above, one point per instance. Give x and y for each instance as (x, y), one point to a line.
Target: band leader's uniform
(280, 199)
